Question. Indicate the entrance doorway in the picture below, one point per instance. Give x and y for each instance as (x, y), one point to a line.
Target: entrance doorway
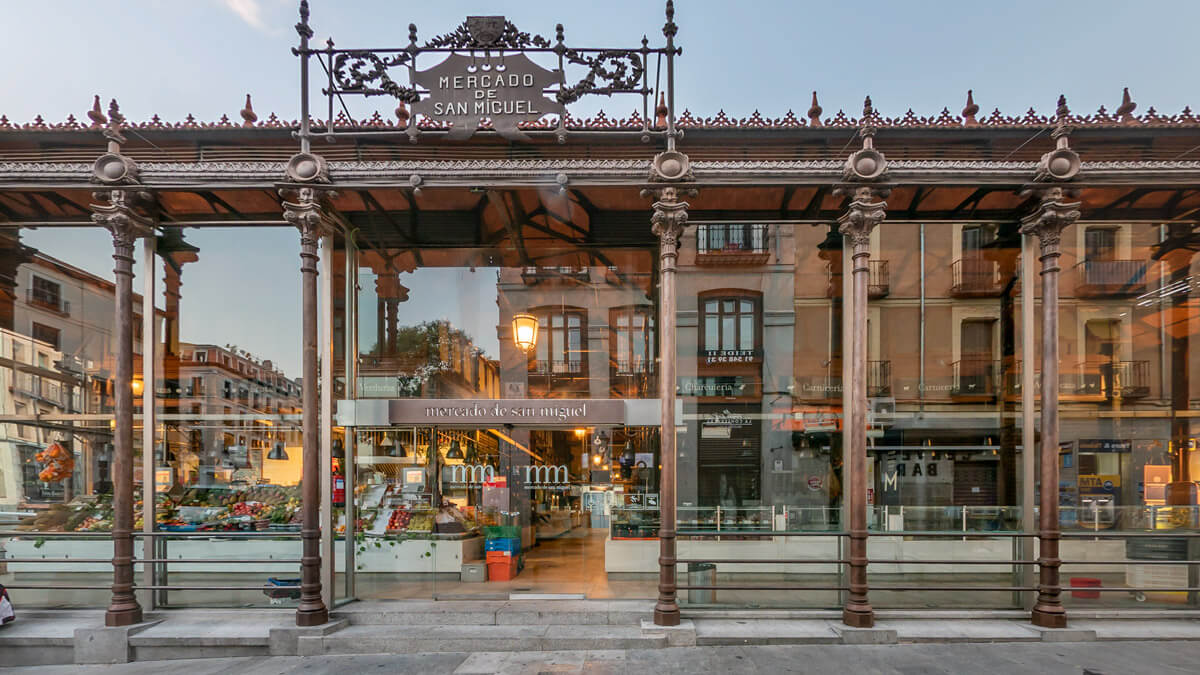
(503, 513)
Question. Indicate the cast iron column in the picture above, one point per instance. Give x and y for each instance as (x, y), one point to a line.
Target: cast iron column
(1047, 222)
(126, 226)
(670, 216)
(863, 214)
(302, 209)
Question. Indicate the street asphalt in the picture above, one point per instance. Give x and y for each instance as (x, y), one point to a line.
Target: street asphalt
(1080, 658)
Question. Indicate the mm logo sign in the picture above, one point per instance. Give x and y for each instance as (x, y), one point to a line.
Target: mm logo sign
(535, 476)
(471, 473)
(539, 476)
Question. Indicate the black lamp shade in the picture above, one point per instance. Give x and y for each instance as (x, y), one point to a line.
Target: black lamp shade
(455, 451)
(397, 450)
(339, 450)
(277, 452)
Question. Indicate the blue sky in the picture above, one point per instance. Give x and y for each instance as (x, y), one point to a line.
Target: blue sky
(172, 58)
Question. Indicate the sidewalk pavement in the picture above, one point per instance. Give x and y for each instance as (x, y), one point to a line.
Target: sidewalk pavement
(1095, 658)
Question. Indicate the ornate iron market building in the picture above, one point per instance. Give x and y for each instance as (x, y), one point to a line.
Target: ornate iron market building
(843, 362)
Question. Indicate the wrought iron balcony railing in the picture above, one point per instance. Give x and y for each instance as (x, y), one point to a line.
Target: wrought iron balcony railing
(878, 280)
(1111, 277)
(975, 277)
(555, 367)
(1129, 379)
(731, 244)
(879, 378)
(974, 377)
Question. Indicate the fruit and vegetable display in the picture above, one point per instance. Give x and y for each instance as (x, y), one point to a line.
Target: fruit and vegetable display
(256, 508)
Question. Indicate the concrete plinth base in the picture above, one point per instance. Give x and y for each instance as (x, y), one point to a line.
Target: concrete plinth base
(106, 645)
(865, 636)
(285, 641)
(683, 635)
(1066, 634)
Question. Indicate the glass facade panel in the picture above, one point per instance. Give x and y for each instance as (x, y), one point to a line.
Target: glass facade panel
(57, 358)
(564, 505)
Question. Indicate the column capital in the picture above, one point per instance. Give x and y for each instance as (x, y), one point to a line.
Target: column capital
(670, 212)
(122, 216)
(1052, 214)
(862, 215)
(304, 207)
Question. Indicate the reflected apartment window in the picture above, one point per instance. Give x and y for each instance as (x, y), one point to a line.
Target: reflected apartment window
(558, 362)
(46, 293)
(730, 323)
(48, 334)
(633, 340)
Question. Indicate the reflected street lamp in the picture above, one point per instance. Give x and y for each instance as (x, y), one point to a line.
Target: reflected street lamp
(525, 329)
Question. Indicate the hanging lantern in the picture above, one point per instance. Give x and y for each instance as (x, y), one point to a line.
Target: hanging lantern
(525, 330)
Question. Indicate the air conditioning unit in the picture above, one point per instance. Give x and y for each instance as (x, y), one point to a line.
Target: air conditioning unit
(881, 411)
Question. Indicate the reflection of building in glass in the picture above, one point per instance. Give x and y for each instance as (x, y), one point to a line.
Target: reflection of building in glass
(224, 411)
(58, 364)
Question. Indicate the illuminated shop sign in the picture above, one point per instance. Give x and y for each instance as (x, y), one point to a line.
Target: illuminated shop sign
(1104, 445)
(498, 412)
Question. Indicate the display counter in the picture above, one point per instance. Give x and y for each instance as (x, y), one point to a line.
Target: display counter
(435, 554)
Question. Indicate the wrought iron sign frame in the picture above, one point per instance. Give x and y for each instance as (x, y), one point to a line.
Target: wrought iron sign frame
(366, 72)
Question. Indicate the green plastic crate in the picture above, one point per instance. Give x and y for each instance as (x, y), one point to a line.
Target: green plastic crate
(501, 531)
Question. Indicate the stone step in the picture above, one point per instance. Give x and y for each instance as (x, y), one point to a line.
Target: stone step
(498, 613)
(376, 639)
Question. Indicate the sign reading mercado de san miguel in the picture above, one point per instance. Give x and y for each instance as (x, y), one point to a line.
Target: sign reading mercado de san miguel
(507, 90)
(487, 77)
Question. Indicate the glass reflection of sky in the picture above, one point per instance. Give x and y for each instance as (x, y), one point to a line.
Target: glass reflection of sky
(466, 297)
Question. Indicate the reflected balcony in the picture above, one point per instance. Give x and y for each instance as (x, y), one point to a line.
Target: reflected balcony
(1108, 379)
(878, 280)
(879, 379)
(554, 275)
(734, 244)
(974, 379)
(1110, 278)
(975, 277)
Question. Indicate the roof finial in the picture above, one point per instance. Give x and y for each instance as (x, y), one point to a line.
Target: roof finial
(814, 112)
(1125, 110)
(969, 111)
(868, 111)
(660, 111)
(96, 115)
(113, 131)
(402, 115)
(1062, 111)
(248, 116)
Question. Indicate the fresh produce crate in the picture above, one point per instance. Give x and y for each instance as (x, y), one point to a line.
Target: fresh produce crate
(502, 531)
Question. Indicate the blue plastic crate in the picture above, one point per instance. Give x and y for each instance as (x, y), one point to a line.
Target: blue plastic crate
(510, 544)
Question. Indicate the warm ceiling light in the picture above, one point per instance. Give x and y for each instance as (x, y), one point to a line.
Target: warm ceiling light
(137, 386)
(580, 433)
(525, 329)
